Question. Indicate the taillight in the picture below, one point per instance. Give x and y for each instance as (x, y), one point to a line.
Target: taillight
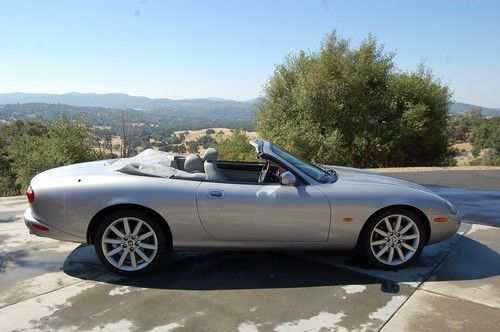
(40, 227)
(30, 194)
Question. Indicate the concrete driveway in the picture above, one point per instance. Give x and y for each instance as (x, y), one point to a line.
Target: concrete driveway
(50, 285)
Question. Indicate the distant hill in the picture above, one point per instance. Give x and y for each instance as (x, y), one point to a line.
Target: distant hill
(122, 101)
(461, 108)
(184, 116)
(191, 106)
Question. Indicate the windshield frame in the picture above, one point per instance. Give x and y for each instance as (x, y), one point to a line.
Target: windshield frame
(315, 172)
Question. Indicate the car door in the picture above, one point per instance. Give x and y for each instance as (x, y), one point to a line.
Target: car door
(263, 212)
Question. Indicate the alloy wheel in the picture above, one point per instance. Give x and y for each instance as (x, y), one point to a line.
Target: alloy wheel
(129, 244)
(395, 239)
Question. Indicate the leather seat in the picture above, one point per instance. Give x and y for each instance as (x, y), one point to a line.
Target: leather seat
(211, 169)
(193, 164)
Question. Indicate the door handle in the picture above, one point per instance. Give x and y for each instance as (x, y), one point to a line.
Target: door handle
(216, 194)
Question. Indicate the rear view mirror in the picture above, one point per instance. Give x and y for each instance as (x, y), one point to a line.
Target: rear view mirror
(287, 178)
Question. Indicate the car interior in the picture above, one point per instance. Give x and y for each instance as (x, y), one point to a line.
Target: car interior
(230, 171)
(195, 167)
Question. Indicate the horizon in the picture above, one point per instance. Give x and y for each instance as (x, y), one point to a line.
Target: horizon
(190, 98)
(228, 50)
(121, 93)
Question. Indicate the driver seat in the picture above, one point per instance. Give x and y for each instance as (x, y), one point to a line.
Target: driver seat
(211, 169)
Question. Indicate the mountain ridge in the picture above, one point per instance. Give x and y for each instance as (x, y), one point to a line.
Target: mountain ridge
(125, 101)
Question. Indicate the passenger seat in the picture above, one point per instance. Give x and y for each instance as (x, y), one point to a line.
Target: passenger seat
(193, 164)
(211, 169)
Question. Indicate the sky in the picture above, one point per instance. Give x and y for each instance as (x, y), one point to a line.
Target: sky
(229, 49)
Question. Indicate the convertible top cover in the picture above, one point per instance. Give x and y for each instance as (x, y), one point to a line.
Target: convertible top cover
(155, 164)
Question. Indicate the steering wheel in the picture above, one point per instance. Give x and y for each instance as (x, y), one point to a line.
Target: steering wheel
(264, 174)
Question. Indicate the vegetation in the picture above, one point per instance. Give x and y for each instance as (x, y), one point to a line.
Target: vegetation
(32, 147)
(459, 127)
(482, 133)
(235, 147)
(352, 107)
(162, 121)
(486, 135)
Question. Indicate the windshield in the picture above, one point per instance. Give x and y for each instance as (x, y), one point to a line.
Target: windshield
(311, 170)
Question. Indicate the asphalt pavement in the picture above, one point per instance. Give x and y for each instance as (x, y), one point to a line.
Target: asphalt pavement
(465, 179)
(476, 193)
(49, 285)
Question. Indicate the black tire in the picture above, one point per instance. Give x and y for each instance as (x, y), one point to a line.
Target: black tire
(368, 232)
(159, 238)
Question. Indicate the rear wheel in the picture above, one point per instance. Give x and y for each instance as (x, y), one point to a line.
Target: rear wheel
(130, 243)
(394, 239)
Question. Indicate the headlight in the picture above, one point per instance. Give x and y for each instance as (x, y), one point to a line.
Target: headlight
(451, 208)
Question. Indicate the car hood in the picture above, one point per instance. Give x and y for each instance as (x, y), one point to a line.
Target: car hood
(356, 175)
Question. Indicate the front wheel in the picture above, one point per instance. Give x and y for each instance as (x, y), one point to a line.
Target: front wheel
(393, 239)
(130, 243)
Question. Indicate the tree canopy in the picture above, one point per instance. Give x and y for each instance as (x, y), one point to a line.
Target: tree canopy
(235, 147)
(351, 106)
(29, 148)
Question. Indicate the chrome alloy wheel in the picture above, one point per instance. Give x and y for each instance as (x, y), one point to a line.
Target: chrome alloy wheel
(394, 239)
(129, 244)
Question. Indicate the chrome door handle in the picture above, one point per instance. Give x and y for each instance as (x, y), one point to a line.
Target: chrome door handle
(216, 194)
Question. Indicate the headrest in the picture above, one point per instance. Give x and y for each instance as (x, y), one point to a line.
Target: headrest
(193, 163)
(210, 155)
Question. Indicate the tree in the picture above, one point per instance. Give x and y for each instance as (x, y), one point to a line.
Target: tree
(7, 178)
(235, 147)
(486, 135)
(205, 141)
(181, 148)
(128, 135)
(474, 113)
(210, 131)
(351, 106)
(192, 146)
(33, 147)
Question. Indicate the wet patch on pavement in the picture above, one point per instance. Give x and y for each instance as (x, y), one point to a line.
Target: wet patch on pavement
(214, 291)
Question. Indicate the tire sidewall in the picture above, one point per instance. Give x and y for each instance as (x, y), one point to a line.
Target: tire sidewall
(145, 217)
(367, 250)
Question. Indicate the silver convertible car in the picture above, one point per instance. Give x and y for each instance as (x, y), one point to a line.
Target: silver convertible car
(135, 210)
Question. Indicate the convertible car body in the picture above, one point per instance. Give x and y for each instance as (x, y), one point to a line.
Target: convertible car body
(134, 210)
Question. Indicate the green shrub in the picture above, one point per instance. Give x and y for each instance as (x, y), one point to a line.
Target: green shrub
(353, 107)
(235, 147)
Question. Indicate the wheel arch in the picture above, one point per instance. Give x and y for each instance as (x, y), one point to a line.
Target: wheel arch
(94, 222)
(411, 208)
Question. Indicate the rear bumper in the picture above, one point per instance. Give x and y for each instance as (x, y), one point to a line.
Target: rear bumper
(41, 229)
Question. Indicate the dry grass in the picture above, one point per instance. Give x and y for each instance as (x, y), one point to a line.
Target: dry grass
(465, 153)
(193, 135)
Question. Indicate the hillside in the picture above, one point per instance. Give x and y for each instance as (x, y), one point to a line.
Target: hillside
(193, 107)
(461, 108)
(123, 101)
(160, 120)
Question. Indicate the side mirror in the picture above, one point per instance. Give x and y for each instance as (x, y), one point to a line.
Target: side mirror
(287, 178)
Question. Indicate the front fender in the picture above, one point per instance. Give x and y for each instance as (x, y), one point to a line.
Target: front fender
(353, 205)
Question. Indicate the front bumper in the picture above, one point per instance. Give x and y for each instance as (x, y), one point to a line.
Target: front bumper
(41, 229)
